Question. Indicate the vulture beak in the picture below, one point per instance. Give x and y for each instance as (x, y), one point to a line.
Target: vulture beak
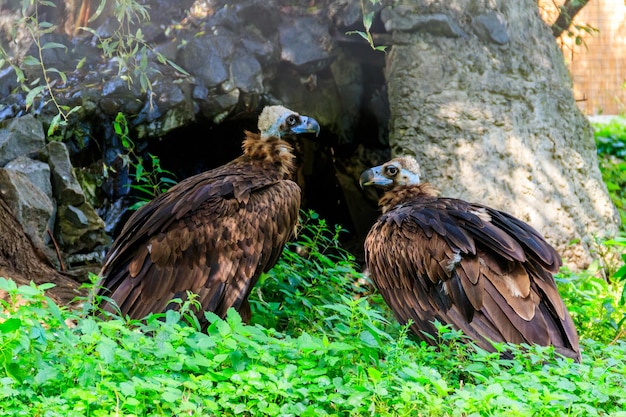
(306, 125)
(373, 176)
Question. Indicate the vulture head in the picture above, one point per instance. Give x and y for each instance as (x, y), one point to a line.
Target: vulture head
(279, 121)
(401, 171)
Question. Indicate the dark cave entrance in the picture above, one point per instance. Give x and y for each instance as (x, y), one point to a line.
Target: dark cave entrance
(205, 145)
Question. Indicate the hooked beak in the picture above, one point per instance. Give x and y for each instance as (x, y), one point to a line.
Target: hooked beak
(374, 177)
(307, 125)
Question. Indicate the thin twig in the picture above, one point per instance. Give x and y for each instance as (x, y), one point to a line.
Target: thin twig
(56, 247)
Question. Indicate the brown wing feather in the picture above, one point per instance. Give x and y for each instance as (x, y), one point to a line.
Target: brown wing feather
(212, 234)
(481, 270)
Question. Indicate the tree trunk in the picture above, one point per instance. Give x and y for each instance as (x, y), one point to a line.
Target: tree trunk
(480, 94)
(20, 261)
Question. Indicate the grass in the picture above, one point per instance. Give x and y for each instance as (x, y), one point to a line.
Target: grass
(321, 343)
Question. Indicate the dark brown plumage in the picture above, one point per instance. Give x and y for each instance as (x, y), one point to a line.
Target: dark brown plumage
(214, 233)
(479, 269)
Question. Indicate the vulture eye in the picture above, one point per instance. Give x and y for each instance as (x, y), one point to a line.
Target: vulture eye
(392, 171)
(292, 120)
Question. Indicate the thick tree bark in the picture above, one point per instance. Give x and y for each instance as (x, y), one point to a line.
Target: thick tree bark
(20, 260)
(479, 92)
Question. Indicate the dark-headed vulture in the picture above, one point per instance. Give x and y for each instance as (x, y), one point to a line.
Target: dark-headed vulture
(476, 268)
(214, 233)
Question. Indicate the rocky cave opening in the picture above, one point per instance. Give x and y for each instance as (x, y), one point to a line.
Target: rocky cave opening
(325, 165)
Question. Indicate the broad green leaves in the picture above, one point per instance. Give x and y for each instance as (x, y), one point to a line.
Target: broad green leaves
(323, 344)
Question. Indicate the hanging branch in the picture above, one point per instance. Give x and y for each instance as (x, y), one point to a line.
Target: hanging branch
(568, 11)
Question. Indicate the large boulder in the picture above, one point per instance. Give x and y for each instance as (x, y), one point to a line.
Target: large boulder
(78, 226)
(32, 208)
(491, 117)
(20, 136)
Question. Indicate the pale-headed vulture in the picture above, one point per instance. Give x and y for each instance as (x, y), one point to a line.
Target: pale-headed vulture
(214, 233)
(478, 269)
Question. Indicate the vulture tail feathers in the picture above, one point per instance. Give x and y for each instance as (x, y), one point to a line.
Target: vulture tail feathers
(454, 289)
(534, 243)
(473, 286)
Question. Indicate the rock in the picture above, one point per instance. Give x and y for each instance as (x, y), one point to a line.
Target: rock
(215, 105)
(10, 110)
(79, 228)
(204, 57)
(491, 27)
(115, 87)
(405, 19)
(500, 126)
(65, 186)
(169, 109)
(120, 96)
(76, 218)
(306, 44)
(265, 52)
(346, 14)
(7, 81)
(90, 179)
(37, 172)
(258, 13)
(20, 136)
(246, 73)
(32, 208)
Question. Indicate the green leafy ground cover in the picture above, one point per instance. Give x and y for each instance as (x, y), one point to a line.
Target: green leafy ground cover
(611, 143)
(321, 343)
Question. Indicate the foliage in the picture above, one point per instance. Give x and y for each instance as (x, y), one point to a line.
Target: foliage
(597, 306)
(321, 345)
(127, 47)
(33, 88)
(611, 144)
(580, 33)
(611, 138)
(314, 274)
(368, 17)
(148, 181)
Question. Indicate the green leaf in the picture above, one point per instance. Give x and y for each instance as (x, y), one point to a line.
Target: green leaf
(60, 73)
(31, 60)
(34, 93)
(358, 32)
(19, 74)
(73, 110)
(128, 389)
(10, 325)
(223, 328)
(93, 32)
(54, 124)
(98, 11)
(8, 285)
(172, 395)
(53, 45)
(367, 20)
(138, 170)
(176, 67)
(29, 291)
(106, 350)
(374, 374)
